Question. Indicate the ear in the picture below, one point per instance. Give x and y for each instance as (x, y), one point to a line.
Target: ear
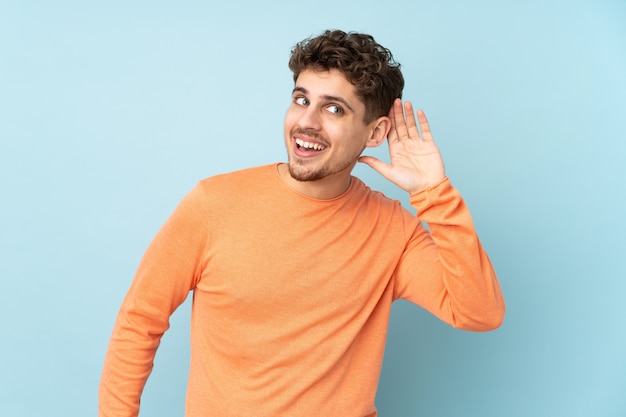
(380, 128)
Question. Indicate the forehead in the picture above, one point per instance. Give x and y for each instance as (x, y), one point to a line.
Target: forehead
(331, 83)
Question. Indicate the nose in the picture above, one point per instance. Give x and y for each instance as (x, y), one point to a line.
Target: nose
(310, 119)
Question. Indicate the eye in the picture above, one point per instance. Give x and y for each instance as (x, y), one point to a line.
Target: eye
(335, 109)
(301, 101)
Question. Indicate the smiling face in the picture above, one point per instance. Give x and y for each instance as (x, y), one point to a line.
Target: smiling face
(325, 132)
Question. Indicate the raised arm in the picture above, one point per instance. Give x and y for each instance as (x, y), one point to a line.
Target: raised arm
(446, 270)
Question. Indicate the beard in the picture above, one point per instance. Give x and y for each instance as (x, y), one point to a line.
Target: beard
(314, 170)
(306, 170)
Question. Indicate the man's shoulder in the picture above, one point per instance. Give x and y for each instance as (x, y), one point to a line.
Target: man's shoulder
(364, 190)
(253, 176)
(228, 190)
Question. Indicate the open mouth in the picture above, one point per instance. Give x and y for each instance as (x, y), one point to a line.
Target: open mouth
(309, 146)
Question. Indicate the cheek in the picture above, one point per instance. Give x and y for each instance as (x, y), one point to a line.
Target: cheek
(290, 121)
(287, 128)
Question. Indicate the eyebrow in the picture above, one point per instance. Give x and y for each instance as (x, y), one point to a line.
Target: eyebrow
(325, 97)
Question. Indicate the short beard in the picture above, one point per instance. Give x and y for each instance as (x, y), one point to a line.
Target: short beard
(306, 175)
(298, 170)
(301, 170)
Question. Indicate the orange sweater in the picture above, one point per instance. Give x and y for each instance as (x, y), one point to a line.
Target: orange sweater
(291, 295)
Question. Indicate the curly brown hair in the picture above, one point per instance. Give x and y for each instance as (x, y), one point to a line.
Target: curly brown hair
(369, 66)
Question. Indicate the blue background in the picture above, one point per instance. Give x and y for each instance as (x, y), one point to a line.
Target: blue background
(110, 112)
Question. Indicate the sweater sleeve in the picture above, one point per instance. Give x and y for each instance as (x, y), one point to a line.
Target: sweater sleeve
(167, 272)
(447, 271)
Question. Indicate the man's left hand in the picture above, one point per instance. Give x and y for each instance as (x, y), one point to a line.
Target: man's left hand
(415, 161)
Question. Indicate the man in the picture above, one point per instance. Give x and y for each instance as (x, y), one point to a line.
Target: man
(294, 266)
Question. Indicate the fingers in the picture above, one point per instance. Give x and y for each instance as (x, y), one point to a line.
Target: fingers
(411, 126)
(376, 164)
(392, 136)
(424, 126)
(399, 122)
(404, 125)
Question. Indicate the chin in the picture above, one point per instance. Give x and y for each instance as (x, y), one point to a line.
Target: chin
(299, 174)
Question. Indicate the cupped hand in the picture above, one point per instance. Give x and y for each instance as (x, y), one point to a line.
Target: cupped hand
(415, 162)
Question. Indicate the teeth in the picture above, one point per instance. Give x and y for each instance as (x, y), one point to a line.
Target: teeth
(310, 145)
